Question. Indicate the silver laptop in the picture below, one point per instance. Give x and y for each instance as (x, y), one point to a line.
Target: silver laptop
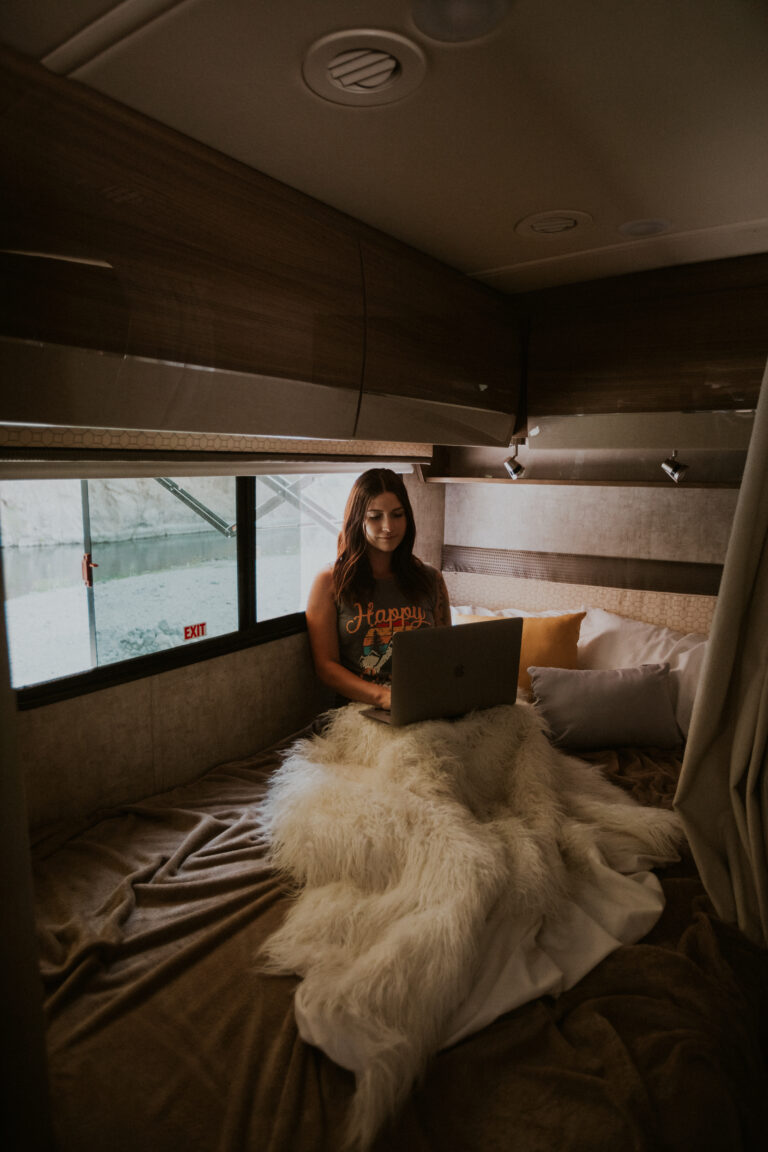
(440, 673)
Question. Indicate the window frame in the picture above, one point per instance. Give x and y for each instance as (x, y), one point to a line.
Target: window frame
(250, 632)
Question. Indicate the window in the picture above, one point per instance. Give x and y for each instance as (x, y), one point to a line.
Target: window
(297, 526)
(98, 572)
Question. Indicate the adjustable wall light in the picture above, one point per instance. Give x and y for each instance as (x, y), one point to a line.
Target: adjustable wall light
(513, 466)
(674, 468)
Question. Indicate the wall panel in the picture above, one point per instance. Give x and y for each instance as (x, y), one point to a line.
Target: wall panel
(121, 744)
(690, 525)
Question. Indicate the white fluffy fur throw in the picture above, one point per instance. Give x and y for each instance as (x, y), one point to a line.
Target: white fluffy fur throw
(404, 843)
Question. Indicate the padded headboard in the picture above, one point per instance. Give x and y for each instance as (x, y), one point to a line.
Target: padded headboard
(678, 595)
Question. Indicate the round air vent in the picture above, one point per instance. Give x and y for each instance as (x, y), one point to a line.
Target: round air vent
(554, 223)
(363, 67)
(363, 70)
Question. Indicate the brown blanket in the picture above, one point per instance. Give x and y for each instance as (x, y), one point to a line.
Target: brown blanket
(164, 1036)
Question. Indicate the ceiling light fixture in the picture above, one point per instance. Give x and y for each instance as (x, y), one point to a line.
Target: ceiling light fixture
(639, 229)
(674, 468)
(456, 21)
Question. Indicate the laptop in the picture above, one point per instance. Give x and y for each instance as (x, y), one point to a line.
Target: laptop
(442, 673)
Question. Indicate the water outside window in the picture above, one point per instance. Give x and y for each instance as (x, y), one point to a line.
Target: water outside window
(167, 563)
(166, 569)
(165, 556)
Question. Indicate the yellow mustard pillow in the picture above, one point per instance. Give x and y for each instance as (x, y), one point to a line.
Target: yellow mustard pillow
(548, 642)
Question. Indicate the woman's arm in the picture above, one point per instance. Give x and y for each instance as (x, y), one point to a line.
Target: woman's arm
(324, 641)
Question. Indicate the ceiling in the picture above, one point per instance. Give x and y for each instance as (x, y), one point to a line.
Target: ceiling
(609, 113)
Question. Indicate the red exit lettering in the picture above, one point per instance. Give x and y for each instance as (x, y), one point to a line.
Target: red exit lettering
(192, 631)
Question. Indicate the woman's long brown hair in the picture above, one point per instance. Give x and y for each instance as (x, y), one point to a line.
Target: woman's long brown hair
(352, 575)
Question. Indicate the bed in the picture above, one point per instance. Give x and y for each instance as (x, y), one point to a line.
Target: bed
(164, 1033)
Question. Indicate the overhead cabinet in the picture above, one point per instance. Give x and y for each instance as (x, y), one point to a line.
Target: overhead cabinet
(150, 282)
(442, 352)
(167, 259)
(689, 338)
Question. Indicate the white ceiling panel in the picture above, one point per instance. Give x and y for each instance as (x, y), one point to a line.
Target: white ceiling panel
(614, 110)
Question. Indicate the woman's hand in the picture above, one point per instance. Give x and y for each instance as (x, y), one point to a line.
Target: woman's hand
(384, 697)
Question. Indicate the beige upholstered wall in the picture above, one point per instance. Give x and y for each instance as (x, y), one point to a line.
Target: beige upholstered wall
(674, 524)
(428, 502)
(127, 742)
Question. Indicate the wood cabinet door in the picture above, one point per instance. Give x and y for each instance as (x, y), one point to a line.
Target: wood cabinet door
(442, 351)
(688, 338)
(168, 251)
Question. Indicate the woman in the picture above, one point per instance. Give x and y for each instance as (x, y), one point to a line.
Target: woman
(376, 587)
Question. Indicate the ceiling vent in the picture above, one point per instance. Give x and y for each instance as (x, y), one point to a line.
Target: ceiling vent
(363, 70)
(556, 223)
(363, 67)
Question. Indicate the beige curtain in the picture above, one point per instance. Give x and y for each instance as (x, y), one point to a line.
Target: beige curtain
(722, 796)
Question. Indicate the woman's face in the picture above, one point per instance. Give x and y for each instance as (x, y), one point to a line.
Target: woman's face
(385, 522)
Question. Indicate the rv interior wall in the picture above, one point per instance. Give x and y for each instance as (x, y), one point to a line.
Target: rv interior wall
(648, 523)
(123, 743)
(676, 525)
(428, 501)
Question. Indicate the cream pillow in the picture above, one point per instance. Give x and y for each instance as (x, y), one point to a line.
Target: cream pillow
(611, 641)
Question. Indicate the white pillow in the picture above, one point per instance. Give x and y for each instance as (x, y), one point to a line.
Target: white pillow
(471, 610)
(610, 641)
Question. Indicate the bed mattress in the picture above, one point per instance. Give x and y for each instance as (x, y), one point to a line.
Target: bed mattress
(163, 1033)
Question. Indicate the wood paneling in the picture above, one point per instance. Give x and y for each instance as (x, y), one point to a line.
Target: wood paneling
(63, 302)
(211, 263)
(435, 335)
(194, 259)
(687, 338)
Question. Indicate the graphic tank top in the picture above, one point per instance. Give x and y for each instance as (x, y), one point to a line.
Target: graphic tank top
(366, 629)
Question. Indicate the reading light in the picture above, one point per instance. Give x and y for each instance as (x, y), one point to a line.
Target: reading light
(456, 21)
(513, 466)
(674, 468)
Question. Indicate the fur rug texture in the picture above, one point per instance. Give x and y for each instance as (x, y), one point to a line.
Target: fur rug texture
(401, 843)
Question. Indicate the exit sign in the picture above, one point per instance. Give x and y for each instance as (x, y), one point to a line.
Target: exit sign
(194, 631)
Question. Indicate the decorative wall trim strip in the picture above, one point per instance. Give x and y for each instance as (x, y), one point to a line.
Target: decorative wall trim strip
(604, 571)
(38, 436)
